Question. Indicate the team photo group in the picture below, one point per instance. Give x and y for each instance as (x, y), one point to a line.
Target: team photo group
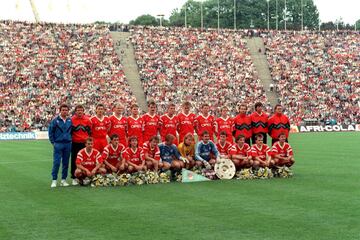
(100, 145)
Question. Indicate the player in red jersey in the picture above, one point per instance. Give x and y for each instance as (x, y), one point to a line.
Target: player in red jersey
(242, 124)
(224, 123)
(81, 130)
(222, 145)
(118, 124)
(134, 156)
(112, 155)
(88, 161)
(259, 122)
(152, 154)
(100, 127)
(204, 122)
(260, 153)
(151, 122)
(135, 124)
(278, 123)
(186, 121)
(282, 152)
(240, 153)
(169, 123)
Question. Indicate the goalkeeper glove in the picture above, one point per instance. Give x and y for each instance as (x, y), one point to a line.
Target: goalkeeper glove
(184, 160)
(207, 165)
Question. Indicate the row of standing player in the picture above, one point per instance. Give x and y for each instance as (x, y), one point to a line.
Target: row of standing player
(151, 124)
(100, 126)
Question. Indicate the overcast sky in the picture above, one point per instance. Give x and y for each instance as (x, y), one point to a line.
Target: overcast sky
(85, 11)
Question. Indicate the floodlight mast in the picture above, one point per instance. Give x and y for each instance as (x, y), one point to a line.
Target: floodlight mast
(34, 10)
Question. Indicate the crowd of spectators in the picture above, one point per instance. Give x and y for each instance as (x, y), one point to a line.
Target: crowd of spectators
(45, 64)
(180, 64)
(317, 75)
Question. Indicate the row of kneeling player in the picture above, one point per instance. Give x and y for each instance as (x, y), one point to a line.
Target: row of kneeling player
(116, 158)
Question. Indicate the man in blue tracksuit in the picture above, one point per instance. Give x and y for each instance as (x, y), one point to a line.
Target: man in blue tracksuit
(206, 153)
(60, 138)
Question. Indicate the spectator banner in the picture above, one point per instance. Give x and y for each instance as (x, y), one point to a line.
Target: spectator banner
(329, 128)
(18, 136)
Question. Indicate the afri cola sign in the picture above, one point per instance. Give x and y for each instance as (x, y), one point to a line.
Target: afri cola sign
(329, 128)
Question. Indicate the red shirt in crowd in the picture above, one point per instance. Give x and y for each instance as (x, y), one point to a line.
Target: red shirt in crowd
(89, 160)
(203, 123)
(151, 125)
(81, 129)
(242, 125)
(134, 156)
(226, 125)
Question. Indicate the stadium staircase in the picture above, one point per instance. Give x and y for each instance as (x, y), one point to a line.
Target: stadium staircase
(129, 66)
(262, 67)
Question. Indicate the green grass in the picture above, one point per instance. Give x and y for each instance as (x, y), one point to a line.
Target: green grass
(321, 202)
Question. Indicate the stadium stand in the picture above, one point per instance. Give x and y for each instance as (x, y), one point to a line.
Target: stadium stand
(178, 64)
(317, 74)
(42, 65)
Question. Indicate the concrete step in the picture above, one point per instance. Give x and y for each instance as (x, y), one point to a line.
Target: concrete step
(262, 67)
(129, 66)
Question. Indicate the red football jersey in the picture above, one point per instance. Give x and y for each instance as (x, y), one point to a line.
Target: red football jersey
(112, 155)
(284, 151)
(242, 151)
(226, 125)
(119, 127)
(151, 125)
(278, 123)
(152, 152)
(89, 160)
(242, 125)
(260, 152)
(223, 149)
(168, 125)
(186, 125)
(259, 122)
(204, 124)
(81, 129)
(100, 127)
(136, 157)
(135, 128)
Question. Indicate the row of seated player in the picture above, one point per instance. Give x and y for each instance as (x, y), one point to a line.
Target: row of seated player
(177, 64)
(44, 64)
(165, 156)
(316, 74)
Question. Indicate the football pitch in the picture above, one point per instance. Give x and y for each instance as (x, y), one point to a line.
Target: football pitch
(322, 200)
